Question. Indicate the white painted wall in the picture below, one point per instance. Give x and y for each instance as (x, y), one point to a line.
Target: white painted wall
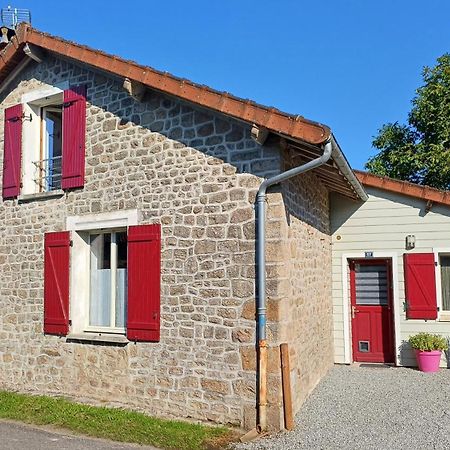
(381, 225)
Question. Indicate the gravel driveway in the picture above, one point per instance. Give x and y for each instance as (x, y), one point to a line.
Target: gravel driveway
(371, 408)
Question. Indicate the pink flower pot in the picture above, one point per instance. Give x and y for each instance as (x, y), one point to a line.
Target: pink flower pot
(428, 361)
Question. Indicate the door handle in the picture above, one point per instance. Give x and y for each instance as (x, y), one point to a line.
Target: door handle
(354, 311)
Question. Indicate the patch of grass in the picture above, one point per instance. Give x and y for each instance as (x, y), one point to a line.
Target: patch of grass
(111, 423)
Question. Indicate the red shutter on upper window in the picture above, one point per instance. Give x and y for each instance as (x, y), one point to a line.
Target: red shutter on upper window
(74, 137)
(12, 156)
(56, 283)
(144, 273)
(420, 286)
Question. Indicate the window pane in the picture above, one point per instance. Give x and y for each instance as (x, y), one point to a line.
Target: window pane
(121, 297)
(121, 240)
(53, 147)
(100, 301)
(121, 279)
(445, 281)
(371, 284)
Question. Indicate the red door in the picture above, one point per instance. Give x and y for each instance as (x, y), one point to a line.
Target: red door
(371, 310)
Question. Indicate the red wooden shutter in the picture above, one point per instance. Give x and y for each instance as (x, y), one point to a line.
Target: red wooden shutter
(12, 152)
(420, 286)
(144, 272)
(74, 137)
(56, 283)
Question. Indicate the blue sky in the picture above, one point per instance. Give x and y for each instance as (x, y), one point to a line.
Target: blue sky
(351, 64)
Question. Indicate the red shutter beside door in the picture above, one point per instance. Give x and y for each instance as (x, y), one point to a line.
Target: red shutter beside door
(420, 286)
(144, 273)
(12, 156)
(56, 283)
(74, 137)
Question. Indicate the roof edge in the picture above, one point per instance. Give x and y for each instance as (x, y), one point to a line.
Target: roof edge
(248, 111)
(344, 166)
(407, 188)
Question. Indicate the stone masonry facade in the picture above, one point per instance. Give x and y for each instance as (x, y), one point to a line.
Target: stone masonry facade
(307, 291)
(196, 173)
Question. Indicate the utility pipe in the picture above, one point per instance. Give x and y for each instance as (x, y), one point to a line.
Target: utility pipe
(261, 274)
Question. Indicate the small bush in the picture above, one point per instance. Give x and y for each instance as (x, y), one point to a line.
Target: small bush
(427, 342)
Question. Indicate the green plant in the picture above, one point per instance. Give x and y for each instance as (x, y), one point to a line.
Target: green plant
(427, 342)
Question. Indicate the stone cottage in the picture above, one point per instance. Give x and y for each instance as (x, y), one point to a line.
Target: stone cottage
(127, 239)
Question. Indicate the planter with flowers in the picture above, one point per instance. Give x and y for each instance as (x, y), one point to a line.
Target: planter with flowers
(428, 348)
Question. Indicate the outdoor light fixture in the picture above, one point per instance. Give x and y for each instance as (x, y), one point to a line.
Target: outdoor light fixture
(410, 242)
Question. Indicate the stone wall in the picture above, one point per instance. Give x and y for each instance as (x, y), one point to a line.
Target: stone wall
(299, 307)
(306, 319)
(197, 174)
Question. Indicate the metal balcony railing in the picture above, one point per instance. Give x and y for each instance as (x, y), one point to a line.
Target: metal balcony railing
(48, 173)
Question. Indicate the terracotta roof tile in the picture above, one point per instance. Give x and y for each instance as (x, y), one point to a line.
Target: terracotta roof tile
(307, 135)
(293, 126)
(404, 187)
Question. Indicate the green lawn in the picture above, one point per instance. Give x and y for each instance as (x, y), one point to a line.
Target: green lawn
(110, 423)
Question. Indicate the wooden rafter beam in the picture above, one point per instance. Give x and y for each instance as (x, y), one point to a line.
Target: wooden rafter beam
(134, 88)
(33, 52)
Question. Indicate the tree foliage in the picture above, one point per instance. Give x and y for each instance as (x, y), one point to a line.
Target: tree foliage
(420, 151)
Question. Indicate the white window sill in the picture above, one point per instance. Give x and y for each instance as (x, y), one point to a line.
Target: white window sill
(444, 317)
(40, 196)
(98, 337)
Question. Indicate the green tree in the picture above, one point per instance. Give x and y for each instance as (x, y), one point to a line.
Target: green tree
(419, 151)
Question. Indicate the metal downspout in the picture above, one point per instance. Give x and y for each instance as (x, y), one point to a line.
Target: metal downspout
(261, 275)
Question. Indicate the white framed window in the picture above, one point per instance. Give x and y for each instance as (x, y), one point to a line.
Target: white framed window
(98, 292)
(42, 140)
(49, 168)
(45, 143)
(114, 271)
(442, 261)
(107, 281)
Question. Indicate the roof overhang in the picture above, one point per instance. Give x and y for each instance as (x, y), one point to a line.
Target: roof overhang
(304, 136)
(336, 174)
(426, 193)
(270, 118)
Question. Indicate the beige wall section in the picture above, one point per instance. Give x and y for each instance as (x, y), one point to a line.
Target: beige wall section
(381, 225)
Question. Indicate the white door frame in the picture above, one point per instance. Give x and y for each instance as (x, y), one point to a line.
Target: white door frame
(348, 356)
(442, 315)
